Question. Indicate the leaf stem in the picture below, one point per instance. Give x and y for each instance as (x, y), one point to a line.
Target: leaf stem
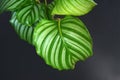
(59, 28)
(46, 2)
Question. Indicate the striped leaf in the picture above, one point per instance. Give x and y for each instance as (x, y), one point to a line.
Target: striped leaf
(62, 43)
(30, 14)
(24, 32)
(73, 7)
(50, 8)
(10, 5)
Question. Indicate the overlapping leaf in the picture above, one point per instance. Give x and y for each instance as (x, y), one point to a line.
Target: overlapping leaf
(62, 43)
(73, 7)
(24, 32)
(50, 8)
(30, 14)
(12, 4)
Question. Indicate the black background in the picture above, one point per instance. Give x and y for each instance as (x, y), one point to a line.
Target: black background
(19, 61)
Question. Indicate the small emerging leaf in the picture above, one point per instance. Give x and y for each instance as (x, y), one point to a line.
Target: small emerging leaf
(73, 7)
(62, 43)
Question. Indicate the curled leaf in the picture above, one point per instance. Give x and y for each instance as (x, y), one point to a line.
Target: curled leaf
(24, 32)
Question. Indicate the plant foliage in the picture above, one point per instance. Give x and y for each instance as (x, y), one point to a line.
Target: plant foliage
(61, 42)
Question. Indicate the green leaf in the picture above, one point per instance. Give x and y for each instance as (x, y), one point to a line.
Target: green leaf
(50, 8)
(24, 32)
(30, 14)
(62, 43)
(10, 5)
(73, 7)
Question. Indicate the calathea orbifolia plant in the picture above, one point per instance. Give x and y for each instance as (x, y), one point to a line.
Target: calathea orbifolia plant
(61, 42)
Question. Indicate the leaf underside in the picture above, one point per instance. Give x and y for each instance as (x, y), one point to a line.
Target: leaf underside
(73, 7)
(62, 43)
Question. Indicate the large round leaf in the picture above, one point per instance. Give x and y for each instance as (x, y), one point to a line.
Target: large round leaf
(30, 14)
(24, 32)
(73, 7)
(63, 42)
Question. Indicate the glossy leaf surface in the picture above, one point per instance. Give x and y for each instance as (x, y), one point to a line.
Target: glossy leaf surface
(30, 14)
(62, 43)
(73, 7)
(24, 32)
(11, 5)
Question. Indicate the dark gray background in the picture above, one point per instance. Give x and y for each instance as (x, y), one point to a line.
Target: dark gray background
(18, 60)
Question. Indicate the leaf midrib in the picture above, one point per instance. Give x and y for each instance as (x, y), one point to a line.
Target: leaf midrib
(61, 36)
